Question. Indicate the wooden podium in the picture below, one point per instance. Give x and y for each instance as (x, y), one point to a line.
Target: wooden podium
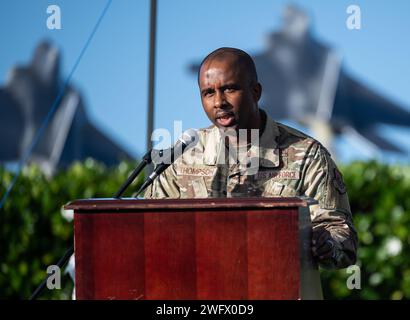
(232, 249)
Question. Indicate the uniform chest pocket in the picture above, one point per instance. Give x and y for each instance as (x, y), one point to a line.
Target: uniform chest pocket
(192, 187)
(276, 189)
(191, 180)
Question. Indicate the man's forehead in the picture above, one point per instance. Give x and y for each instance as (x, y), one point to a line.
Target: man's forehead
(219, 70)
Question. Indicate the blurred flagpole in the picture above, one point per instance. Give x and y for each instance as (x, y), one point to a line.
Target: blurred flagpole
(151, 76)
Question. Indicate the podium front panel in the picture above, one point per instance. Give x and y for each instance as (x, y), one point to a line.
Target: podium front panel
(175, 249)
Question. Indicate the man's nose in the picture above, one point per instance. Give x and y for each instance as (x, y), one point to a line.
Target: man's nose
(219, 99)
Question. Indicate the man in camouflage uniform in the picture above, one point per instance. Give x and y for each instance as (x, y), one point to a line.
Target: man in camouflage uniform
(247, 154)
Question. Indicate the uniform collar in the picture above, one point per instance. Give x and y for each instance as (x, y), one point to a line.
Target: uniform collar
(267, 150)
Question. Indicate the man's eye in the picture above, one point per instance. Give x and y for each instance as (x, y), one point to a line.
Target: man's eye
(230, 89)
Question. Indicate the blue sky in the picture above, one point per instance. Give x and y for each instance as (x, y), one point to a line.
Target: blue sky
(112, 75)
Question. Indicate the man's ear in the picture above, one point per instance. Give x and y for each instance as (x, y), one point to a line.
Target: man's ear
(257, 91)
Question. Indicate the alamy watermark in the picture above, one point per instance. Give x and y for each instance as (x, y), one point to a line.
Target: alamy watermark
(54, 277)
(238, 146)
(54, 19)
(354, 281)
(354, 20)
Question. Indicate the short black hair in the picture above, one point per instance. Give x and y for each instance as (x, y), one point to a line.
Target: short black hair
(243, 58)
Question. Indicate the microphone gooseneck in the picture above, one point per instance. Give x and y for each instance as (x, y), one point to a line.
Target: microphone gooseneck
(188, 138)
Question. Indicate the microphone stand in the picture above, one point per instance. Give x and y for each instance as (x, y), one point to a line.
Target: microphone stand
(146, 159)
(61, 263)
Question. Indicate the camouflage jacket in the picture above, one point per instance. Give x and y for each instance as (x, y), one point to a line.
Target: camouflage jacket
(284, 162)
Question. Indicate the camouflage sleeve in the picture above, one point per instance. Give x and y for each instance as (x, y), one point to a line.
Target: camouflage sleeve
(164, 186)
(324, 183)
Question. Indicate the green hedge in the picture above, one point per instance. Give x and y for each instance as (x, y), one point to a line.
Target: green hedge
(380, 201)
(33, 233)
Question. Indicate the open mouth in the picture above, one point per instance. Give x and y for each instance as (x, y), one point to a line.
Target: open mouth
(225, 119)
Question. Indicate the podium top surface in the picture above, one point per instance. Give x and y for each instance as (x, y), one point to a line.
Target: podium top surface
(127, 204)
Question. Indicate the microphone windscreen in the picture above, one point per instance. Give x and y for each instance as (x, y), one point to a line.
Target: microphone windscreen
(190, 136)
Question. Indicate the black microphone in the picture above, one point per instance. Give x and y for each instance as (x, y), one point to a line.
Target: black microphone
(147, 159)
(188, 138)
